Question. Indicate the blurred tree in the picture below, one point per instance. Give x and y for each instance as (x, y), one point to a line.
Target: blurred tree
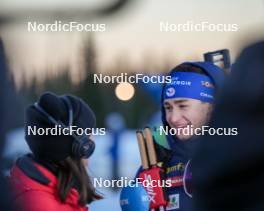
(101, 97)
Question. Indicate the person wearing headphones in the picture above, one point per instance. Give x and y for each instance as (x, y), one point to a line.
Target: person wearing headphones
(54, 176)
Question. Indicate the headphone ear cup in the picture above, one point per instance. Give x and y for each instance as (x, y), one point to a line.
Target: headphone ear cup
(83, 147)
(88, 148)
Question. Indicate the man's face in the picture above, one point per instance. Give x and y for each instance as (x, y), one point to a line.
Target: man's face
(181, 112)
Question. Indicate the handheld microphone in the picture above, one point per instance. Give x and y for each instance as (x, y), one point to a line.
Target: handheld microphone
(134, 198)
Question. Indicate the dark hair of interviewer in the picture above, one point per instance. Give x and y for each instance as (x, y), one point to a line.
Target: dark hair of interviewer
(72, 174)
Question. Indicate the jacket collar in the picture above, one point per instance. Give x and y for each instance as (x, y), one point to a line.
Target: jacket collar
(34, 171)
(40, 176)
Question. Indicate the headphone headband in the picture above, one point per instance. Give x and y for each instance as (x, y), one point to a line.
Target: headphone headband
(70, 109)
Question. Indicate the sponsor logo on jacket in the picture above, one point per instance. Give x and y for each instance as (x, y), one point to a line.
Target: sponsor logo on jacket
(177, 167)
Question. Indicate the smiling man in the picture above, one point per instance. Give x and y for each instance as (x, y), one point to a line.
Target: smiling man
(182, 113)
(188, 99)
(186, 102)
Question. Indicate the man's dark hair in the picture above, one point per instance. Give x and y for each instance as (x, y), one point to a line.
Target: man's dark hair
(189, 68)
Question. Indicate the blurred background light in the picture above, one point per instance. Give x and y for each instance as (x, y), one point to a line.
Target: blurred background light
(124, 91)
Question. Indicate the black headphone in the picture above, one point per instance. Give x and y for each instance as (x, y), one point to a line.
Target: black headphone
(82, 146)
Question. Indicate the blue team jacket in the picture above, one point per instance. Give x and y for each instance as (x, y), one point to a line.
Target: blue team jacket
(174, 167)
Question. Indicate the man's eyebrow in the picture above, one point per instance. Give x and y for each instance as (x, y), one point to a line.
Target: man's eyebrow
(175, 102)
(179, 101)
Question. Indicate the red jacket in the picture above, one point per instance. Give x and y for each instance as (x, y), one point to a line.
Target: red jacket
(35, 189)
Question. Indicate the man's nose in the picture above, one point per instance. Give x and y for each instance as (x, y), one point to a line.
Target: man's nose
(176, 117)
